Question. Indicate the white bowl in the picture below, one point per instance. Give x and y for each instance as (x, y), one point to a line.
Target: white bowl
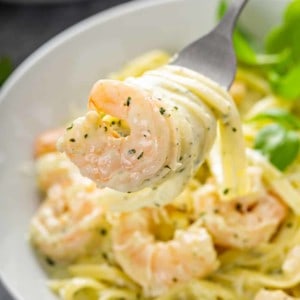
(59, 75)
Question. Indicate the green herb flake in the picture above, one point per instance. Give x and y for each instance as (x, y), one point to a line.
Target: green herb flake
(70, 127)
(103, 231)
(141, 155)
(162, 110)
(226, 191)
(127, 103)
(131, 151)
(50, 261)
(289, 225)
(238, 207)
(72, 140)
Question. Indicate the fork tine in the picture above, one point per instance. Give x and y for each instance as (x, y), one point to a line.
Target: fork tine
(213, 55)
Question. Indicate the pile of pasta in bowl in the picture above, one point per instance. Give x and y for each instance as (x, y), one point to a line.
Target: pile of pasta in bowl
(170, 187)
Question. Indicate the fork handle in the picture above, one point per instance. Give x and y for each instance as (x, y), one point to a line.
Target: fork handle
(226, 26)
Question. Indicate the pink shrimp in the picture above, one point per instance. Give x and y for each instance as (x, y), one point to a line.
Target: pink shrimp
(125, 163)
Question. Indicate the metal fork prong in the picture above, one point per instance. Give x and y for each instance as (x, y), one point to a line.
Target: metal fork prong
(213, 54)
(227, 24)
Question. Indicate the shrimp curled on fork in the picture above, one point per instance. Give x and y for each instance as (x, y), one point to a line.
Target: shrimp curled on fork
(159, 265)
(124, 163)
(66, 224)
(242, 222)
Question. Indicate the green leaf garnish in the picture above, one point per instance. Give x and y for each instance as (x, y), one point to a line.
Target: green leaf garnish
(6, 68)
(221, 9)
(280, 145)
(243, 47)
(285, 76)
(281, 116)
(244, 51)
(288, 85)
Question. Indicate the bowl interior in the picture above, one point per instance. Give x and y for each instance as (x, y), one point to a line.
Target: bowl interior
(54, 82)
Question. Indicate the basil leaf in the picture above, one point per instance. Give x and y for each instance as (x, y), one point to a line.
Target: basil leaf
(281, 116)
(279, 145)
(292, 13)
(243, 45)
(276, 40)
(288, 85)
(243, 50)
(5, 68)
(221, 10)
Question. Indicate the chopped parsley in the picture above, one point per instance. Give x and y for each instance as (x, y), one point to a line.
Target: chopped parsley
(50, 261)
(141, 155)
(131, 151)
(127, 103)
(162, 110)
(103, 231)
(70, 127)
(238, 207)
(226, 191)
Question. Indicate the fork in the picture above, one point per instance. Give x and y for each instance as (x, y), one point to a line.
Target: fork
(213, 55)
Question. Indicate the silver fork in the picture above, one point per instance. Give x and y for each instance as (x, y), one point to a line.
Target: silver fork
(213, 55)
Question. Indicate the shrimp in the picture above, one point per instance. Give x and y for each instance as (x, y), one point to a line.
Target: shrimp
(158, 265)
(243, 222)
(66, 224)
(46, 141)
(273, 295)
(124, 163)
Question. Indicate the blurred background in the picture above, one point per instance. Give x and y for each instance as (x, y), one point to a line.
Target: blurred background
(26, 24)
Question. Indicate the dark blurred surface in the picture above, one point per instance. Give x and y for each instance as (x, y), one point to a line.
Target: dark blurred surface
(23, 28)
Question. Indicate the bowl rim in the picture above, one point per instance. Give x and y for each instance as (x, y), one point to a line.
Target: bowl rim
(53, 43)
(70, 32)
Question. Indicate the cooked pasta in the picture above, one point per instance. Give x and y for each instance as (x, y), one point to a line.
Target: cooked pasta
(233, 233)
(151, 165)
